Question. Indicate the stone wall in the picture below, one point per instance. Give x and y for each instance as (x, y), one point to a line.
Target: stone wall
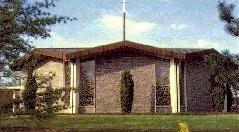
(108, 75)
(197, 85)
(54, 66)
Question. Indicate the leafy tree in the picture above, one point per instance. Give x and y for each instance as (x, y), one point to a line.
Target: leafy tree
(51, 97)
(224, 78)
(21, 19)
(39, 97)
(127, 91)
(226, 15)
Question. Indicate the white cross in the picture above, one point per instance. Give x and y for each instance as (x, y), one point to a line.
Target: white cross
(124, 6)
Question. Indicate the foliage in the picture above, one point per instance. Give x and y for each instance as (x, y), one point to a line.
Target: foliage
(29, 94)
(48, 97)
(85, 90)
(224, 76)
(20, 20)
(6, 108)
(39, 97)
(182, 127)
(127, 91)
(225, 14)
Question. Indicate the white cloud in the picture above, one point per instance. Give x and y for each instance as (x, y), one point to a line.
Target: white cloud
(201, 43)
(59, 41)
(178, 26)
(115, 23)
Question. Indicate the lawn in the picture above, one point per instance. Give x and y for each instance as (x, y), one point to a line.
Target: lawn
(227, 122)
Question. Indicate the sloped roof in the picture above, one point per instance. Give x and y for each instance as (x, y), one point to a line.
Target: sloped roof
(71, 53)
(186, 50)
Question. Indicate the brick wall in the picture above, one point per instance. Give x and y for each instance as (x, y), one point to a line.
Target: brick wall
(198, 96)
(108, 75)
(54, 66)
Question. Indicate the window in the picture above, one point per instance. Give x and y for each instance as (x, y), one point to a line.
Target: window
(162, 83)
(87, 83)
(66, 97)
(181, 83)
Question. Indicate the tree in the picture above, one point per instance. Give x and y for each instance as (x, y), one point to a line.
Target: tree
(224, 77)
(226, 15)
(127, 91)
(21, 19)
(29, 94)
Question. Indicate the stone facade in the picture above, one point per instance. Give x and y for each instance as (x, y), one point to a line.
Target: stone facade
(52, 66)
(108, 75)
(197, 85)
(146, 70)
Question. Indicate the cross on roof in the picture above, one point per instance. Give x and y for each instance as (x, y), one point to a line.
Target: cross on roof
(124, 5)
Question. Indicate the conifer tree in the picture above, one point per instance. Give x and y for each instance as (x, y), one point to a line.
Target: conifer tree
(127, 91)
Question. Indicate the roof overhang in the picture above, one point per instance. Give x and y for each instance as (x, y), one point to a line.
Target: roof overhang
(144, 49)
(109, 48)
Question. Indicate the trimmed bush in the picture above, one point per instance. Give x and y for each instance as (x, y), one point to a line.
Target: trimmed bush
(127, 91)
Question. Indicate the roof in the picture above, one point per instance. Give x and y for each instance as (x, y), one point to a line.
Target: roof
(69, 53)
(72, 53)
(67, 50)
(186, 50)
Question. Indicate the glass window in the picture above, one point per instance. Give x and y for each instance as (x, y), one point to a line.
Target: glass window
(162, 83)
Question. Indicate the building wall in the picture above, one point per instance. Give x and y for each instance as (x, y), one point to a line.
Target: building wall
(197, 86)
(108, 75)
(52, 66)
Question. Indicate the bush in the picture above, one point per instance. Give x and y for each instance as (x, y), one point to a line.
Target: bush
(182, 127)
(127, 91)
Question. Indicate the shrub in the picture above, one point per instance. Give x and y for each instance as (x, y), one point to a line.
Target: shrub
(223, 76)
(182, 127)
(127, 91)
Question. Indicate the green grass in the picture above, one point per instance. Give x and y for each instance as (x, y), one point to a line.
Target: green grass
(227, 122)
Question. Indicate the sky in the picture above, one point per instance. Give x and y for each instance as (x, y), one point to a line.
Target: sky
(160, 23)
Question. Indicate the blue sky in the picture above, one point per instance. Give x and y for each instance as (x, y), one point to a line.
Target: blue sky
(161, 23)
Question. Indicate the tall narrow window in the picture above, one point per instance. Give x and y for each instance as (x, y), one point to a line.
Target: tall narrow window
(87, 83)
(162, 83)
(66, 97)
(181, 85)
